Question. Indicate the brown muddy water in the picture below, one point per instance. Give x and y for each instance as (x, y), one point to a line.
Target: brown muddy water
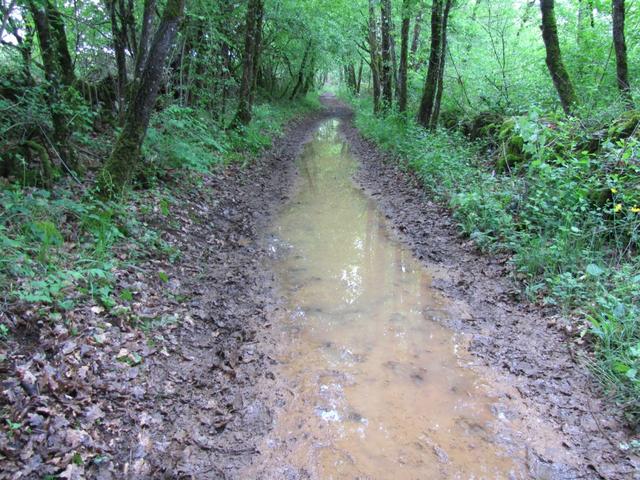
(377, 387)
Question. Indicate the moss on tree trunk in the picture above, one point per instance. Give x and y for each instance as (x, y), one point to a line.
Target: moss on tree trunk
(559, 74)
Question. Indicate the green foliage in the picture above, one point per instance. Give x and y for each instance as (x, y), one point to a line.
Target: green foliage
(570, 247)
(192, 139)
(57, 246)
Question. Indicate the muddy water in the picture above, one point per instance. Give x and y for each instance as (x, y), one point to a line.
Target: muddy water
(378, 388)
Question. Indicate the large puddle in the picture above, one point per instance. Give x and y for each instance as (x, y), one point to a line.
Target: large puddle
(378, 388)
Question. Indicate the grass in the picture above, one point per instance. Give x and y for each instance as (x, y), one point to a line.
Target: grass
(570, 248)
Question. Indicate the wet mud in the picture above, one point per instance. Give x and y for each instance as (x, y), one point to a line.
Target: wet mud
(380, 385)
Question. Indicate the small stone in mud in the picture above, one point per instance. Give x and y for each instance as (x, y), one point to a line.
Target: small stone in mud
(356, 417)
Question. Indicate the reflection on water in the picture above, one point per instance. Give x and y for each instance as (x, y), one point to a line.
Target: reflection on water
(379, 390)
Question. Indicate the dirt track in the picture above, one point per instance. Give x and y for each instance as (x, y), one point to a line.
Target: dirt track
(206, 393)
(217, 388)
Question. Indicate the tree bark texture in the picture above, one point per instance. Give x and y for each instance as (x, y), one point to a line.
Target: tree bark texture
(119, 46)
(243, 114)
(301, 72)
(125, 158)
(56, 62)
(387, 69)
(559, 74)
(404, 56)
(620, 45)
(417, 29)
(375, 56)
(429, 104)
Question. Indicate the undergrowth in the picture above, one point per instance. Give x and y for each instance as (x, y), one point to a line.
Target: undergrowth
(182, 137)
(570, 218)
(58, 243)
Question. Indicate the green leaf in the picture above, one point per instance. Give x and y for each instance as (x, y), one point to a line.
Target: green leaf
(594, 270)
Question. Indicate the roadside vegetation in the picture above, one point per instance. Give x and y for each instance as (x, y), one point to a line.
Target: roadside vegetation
(545, 170)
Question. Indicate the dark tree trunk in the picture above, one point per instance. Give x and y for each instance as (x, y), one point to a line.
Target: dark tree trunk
(124, 160)
(310, 78)
(57, 78)
(243, 114)
(622, 69)
(256, 52)
(359, 80)
(351, 77)
(404, 54)
(425, 113)
(301, 76)
(145, 34)
(385, 35)
(119, 46)
(61, 45)
(375, 57)
(443, 56)
(556, 67)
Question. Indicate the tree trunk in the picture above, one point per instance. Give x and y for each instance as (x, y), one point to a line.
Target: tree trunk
(417, 28)
(443, 57)
(375, 58)
(54, 70)
(119, 46)
(143, 46)
(556, 67)
(256, 51)
(61, 45)
(359, 80)
(431, 83)
(385, 34)
(404, 54)
(622, 69)
(124, 160)
(243, 114)
(301, 76)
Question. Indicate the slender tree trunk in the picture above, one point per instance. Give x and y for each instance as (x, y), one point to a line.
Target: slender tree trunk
(375, 58)
(119, 46)
(301, 77)
(385, 34)
(310, 78)
(443, 57)
(243, 114)
(359, 80)
(430, 87)
(57, 78)
(61, 45)
(145, 35)
(417, 29)
(404, 54)
(556, 67)
(124, 160)
(257, 48)
(350, 72)
(622, 69)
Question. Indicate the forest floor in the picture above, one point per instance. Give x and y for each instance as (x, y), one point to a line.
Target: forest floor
(192, 394)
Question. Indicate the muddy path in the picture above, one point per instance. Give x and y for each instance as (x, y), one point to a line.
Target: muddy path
(322, 319)
(511, 401)
(204, 399)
